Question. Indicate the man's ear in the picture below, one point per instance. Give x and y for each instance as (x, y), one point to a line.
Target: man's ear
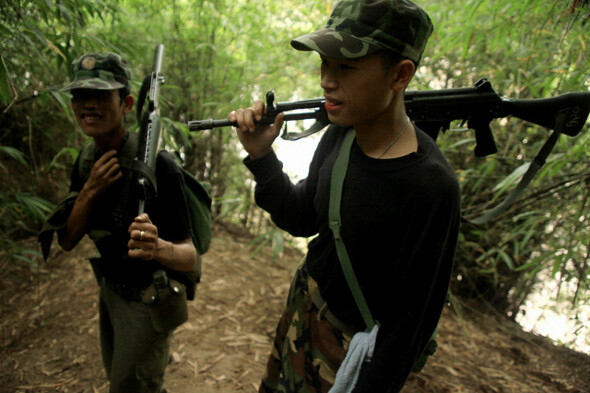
(128, 103)
(405, 72)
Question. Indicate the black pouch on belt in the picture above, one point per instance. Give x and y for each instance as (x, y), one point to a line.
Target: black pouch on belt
(167, 301)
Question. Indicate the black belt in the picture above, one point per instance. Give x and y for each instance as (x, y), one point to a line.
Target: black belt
(127, 292)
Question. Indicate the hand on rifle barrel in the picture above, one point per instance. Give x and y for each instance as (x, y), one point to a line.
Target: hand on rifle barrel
(256, 138)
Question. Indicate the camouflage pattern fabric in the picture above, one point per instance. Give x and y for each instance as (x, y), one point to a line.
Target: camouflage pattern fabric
(307, 350)
(357, 28)
(100, 71)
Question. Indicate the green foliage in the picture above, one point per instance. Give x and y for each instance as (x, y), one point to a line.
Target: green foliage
(221, 55)
(18, 207)
(14, 153)
(274, 237)
(527, 49)
(38, 40)
(20, 211)
(15, 252)
(38, 33)
(17, 211)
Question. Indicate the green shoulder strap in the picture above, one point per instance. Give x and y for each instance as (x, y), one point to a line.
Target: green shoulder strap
(529, 175)
(199, 202)
(338, 175)
(126, 160)
(337, 181)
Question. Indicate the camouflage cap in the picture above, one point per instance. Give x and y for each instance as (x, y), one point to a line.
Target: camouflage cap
(357, 28)
(100, 71)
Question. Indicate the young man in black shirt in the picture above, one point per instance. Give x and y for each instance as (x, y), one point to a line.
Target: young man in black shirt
(400, 208)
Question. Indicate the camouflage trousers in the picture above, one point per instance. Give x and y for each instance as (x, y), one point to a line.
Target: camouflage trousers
(307, 349)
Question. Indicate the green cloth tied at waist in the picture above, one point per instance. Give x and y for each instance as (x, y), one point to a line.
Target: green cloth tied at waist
(57, 220)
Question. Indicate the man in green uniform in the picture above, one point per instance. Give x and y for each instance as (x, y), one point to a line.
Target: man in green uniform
(103, 204)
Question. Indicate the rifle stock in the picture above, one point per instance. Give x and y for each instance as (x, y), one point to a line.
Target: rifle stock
(150, 127)
(434, 110)
(566, 113)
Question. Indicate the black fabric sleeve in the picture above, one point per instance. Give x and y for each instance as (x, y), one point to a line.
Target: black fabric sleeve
(414, 313)
(290, 205)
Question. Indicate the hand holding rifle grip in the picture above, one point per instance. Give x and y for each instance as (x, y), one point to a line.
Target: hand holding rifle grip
(267, 118)
(318, 113)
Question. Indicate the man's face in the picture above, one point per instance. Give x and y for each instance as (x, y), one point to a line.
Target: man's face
(358, 92)
(100, 112)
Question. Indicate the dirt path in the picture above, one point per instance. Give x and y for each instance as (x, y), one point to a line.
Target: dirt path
(49, 337)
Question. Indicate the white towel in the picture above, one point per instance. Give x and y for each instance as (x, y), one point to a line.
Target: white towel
(360, 350)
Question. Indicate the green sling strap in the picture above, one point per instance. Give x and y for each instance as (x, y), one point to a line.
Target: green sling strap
(561, 124)
(532, 170)
(336, 184)
(337, 181)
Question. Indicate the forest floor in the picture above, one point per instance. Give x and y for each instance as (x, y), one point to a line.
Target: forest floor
(49, 332)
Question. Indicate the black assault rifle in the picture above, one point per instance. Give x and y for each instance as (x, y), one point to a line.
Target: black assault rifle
(434, 110)
(150, 128)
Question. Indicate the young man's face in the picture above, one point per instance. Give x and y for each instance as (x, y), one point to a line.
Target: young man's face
(100, 112)
(358, 92)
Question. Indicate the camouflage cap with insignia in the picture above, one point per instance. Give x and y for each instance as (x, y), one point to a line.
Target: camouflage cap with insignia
(100, 71)
(357, 28)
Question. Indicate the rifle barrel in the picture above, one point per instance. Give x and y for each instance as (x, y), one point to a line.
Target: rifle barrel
(157, 79)
(150, 127)
(208, 124)
(317, 103)
(158, 58)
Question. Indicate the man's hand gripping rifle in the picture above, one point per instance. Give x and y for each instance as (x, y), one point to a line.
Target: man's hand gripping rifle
(434, 110)
(150, 127)
(318, 113)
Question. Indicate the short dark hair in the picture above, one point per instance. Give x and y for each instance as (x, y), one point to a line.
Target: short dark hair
(124, 92)
(391, 58)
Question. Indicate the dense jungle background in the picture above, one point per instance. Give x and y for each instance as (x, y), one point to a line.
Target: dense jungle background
(529, 265)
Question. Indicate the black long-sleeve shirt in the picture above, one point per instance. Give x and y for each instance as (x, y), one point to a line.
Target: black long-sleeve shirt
(400, 222)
